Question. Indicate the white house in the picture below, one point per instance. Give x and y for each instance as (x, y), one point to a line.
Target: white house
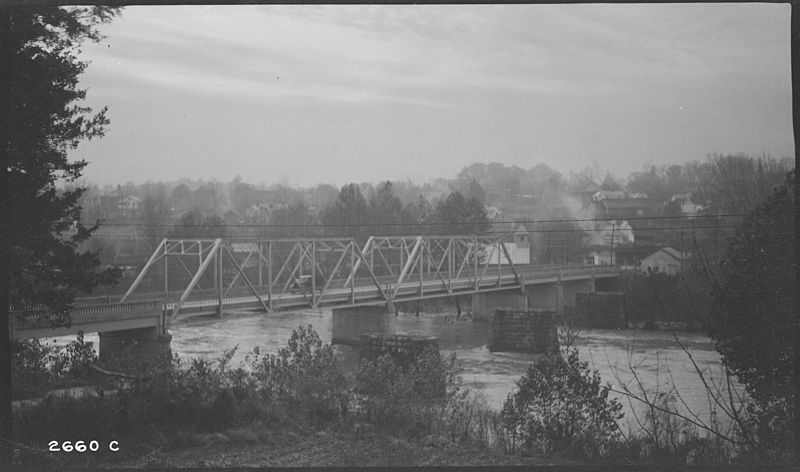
(666, 260)
(602, 241)
(130, 204)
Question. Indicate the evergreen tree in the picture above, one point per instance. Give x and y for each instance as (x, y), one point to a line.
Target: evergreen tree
(42, 121)
(348, 214)
(755, 326)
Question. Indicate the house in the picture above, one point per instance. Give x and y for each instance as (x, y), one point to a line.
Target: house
(231, 217)
(621, 204)
(130, 205)
(666, 260)
(518, 249)
(624, 207)
(584, 195)
(687, 206)
(600, 243)
(630, 255)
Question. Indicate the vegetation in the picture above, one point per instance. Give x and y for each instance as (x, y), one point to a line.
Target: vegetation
(560, 406)
(172, 401)
(755, 324)
(43, 120)
(38, 367)
(658, 297)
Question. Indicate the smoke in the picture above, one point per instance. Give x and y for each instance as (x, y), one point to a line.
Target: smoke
(582, 216)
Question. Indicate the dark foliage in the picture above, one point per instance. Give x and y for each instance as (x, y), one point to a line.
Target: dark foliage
(755, 327)
(560, 405)
(40, 123)
(194, 225)
(458, 215)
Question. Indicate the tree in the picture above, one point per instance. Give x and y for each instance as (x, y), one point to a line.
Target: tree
(347, 214)
(560, 404)
(291, 219)
(476, 191)
(194, 225)
(181, 198)
(457, 215)
(41, 122)
(755, 325)
(155, 210)
(386, 211)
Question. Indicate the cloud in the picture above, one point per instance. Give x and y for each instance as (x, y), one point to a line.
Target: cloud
(441, 86)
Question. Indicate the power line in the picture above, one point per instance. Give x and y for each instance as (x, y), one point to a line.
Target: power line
(362, 225)
(431, 234)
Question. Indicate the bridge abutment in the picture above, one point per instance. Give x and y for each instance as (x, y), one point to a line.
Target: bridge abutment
(141, 342)
(350, 323)
(484, 304)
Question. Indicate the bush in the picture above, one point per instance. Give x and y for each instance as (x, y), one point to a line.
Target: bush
(561, 406)
(303, 376)
(405, 393)
(38, 367)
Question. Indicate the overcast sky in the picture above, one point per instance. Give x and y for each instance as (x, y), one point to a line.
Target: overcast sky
(333, 94)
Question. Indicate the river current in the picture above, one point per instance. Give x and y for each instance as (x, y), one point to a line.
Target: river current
(620, 356)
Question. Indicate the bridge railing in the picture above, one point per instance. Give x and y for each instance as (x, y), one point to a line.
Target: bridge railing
(94, 313)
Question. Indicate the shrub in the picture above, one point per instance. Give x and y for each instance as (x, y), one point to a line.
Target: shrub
(561, 406)
(303, 376)
(408, 392)
(37, 367)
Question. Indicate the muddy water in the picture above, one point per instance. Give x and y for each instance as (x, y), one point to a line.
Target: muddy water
(656, 358)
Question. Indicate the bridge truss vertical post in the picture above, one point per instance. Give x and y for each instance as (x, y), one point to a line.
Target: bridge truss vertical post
(353, 271)
(166, 272)
(451, 265)
(269, 274)
(421, 269)
(475, 259)
(219, 278)
(313, 273)
(260, 264)
(499, 263)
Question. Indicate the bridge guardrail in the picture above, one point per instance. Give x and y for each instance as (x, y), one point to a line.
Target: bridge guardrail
(95, 313)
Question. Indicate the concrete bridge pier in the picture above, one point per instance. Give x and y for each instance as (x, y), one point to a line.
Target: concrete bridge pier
(484, 304)
(350, 323)
(141, 342)
(573, 287)
(558, 295)
(545, 296)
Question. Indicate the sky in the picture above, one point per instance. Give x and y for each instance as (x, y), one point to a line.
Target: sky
(314, 94)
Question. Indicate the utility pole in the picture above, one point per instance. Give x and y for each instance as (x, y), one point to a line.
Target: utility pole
(613, 227)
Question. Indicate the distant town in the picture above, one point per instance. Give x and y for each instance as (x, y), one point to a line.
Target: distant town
(651, 221)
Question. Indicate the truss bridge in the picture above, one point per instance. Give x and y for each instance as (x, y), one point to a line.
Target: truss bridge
(192, 277)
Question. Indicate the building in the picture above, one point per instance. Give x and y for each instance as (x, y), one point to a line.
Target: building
(130, 205)
(231, 217)
(601, 243)
(687, 206)
(666, 260)
(630, 255)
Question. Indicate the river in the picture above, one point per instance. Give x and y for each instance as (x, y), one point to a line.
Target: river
(656, 357)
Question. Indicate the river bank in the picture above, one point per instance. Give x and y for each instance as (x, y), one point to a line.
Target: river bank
(261, 446)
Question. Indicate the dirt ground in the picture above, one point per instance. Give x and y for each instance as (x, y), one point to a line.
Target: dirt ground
(253, 448)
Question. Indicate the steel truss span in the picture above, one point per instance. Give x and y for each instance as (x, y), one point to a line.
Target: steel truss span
(203, 275)
(190, 277)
